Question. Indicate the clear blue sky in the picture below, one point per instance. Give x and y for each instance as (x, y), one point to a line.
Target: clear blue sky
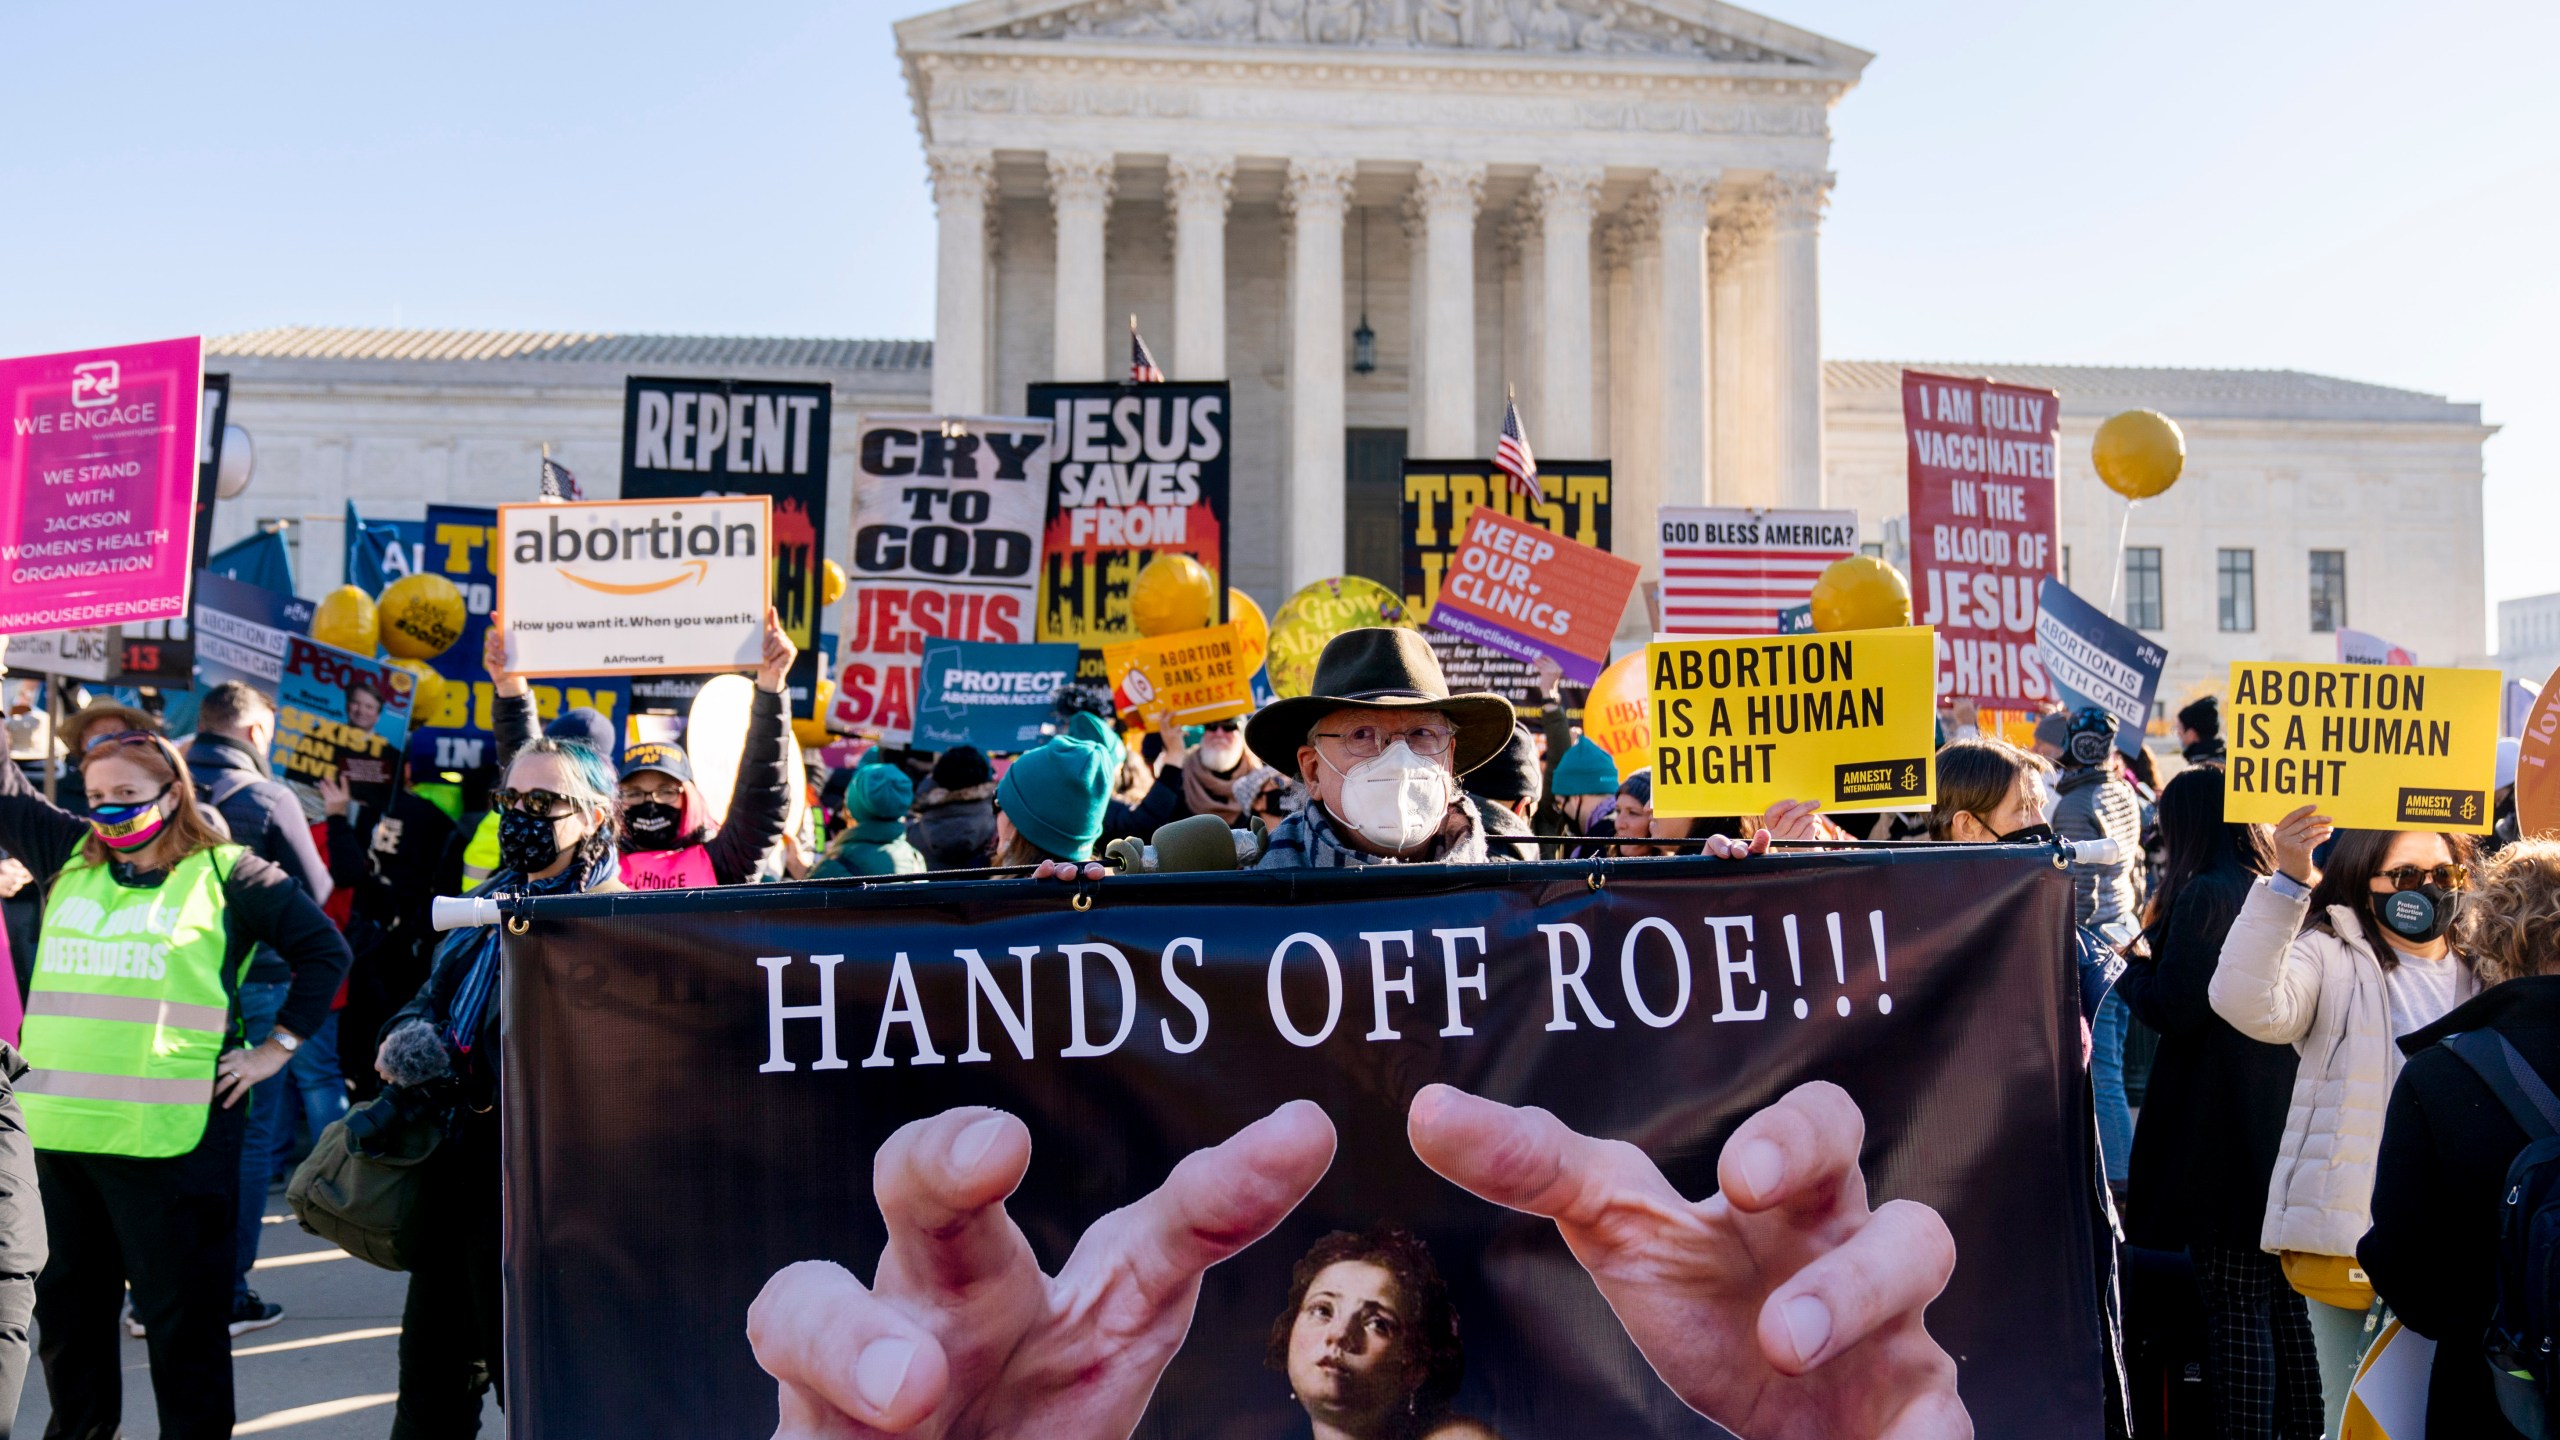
(2362, 189)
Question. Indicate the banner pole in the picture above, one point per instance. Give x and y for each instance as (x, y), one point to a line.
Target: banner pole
(2115, 586)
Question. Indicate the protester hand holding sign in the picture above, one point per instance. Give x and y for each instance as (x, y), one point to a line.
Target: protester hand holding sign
(1779, 1307)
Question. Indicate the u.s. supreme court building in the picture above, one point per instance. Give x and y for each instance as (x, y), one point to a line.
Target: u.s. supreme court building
(1373, 218)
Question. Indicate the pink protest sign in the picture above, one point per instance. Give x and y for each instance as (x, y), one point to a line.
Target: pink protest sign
(97, 485)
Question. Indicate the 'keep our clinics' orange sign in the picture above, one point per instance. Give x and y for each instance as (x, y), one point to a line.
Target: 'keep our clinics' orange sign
(1526, 592)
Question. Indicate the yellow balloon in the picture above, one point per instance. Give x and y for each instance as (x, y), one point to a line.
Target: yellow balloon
(1315, 615)
(346, 618)
(422, 615)
(2139, 453)
(813, 731)
(1860, 592)
(1173, 593)
(1253, 632)
(430, 695)
(831, 584)
(1618, 714)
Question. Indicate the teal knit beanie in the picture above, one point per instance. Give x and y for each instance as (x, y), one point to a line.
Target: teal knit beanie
(1055, 794)
(1094, 730)
(1586, 769)
(879, 792)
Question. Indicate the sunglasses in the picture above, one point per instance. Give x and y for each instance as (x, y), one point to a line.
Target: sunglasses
(142, 738)
(1220, 727)
(2410, 877)
(541, 804)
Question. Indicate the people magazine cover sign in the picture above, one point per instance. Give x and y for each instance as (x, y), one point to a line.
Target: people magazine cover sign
(1112, 1160)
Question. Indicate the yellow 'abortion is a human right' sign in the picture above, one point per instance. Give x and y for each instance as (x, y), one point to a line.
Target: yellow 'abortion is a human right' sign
(2375, 747)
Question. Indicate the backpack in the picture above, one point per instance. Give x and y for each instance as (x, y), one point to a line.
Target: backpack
(359, 1187)
(2523, 1343)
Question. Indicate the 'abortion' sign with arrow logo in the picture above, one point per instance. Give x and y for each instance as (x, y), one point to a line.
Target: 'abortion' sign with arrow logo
(635, 586)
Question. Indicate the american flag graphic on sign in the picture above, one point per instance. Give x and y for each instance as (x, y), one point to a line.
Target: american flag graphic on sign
(1143, 369)
(1511, 455)
(1727, 570)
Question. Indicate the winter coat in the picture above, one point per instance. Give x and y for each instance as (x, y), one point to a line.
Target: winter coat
(2446, 1145)
(2206, 1142)
(2321, 993)
(1499, 822)
(2093, 804)
(954, 828)
(870, 847)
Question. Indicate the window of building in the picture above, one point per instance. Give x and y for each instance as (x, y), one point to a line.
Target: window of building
(2142, 587)
(2236, 589)
(2066, 567)
(2328, 591)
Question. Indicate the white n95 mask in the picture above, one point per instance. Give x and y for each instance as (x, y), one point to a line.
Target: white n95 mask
(1395, 801)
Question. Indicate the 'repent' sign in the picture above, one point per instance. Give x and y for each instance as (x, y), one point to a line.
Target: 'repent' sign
(1983, 459)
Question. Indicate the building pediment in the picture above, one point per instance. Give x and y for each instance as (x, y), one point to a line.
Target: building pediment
(1697, 30)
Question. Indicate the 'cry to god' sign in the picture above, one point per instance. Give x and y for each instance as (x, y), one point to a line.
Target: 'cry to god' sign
(2374, 747)
(1847, 719)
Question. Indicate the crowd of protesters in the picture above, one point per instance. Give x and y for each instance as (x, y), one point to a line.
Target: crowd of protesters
(2276, 1121)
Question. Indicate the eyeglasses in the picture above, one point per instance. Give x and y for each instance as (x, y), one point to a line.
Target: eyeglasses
(642, 795)
(1368, 742)
(541, 804)
(1220, 727)
(2410, 877)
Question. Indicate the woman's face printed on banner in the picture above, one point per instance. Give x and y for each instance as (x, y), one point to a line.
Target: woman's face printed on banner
(1350, 1359)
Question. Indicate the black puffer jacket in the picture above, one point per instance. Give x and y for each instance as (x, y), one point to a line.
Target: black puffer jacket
(954, 828)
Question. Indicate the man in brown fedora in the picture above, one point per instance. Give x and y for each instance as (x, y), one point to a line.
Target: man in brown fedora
(1380, 744)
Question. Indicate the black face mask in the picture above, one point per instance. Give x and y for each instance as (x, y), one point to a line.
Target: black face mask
(650, 825)
(2418, 915)
(527, 843)
(2038, 833)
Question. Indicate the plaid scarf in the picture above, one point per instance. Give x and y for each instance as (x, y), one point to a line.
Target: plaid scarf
(1308, 840)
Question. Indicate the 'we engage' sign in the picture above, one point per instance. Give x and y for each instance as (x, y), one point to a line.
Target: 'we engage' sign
(635, 586)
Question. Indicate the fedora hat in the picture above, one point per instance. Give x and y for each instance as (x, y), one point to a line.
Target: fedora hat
(1384, 668)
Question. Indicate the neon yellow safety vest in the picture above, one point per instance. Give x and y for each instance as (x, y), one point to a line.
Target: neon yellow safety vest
(127, 1011)
(480, 857)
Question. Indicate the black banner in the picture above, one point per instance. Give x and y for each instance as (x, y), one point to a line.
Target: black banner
(1134, 471)
(696, 1086)
(1437, 496)
(739, 437)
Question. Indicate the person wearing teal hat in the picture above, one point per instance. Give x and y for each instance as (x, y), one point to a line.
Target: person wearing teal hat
(1580, 791)
(1094, 730)
(875, 843)
(1050, 803)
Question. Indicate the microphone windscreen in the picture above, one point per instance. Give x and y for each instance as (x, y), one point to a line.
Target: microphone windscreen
(1197, 842)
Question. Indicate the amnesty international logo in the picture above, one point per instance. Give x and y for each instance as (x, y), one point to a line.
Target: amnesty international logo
(1880, 780)
(2440, 807)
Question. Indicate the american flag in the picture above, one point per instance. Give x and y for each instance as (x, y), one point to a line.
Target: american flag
(558, 483)
(1142, 366)
(1511, 455)
(1729, 571)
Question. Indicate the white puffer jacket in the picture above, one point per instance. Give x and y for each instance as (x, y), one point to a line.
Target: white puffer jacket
(2322, 994)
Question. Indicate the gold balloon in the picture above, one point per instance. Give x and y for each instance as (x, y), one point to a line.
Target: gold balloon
(422, 615)
(429, 696)
(347, 619)
(1618, 714)
(1860, 592)
(813, 732)
(1315, 615)
(2139, 453)
(1253, 632)
(1173, 593)
(831, 584)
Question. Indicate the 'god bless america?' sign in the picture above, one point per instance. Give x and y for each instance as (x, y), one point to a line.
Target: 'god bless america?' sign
(635, 586)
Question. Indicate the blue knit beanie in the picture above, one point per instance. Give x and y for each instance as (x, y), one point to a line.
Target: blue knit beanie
(1586, 769)
(1055, 794)
(879, 792)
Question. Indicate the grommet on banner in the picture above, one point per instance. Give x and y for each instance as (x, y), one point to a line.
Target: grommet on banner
(518, 925)
(1595, 879)
(1083, 900)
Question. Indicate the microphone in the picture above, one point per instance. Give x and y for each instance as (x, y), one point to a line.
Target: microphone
(463, 912)
(1192, 844)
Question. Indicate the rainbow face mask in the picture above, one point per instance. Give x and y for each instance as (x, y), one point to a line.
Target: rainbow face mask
(127, 828)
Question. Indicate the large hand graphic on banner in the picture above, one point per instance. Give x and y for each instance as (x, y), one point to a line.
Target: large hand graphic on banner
(1782, 1307)
(960, 1337)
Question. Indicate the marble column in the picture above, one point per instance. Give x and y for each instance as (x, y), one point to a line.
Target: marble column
(1318, 196)
(1727, 356)
(963, 181)
(1523, 373)
(1755, 481)
(1681, 199)
(1450, 194)
(1641, 473)
(1417, 234)
(1566, 195)
(1796, 199)
(1080, 185)
(1196, 190)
